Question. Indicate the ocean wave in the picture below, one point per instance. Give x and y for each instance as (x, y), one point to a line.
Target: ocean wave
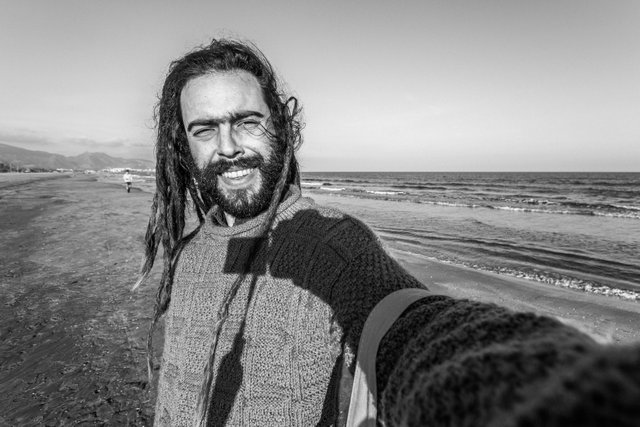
(631, 208)
(543, 277)
(538, 206)
(585, 205)
(532, 210)
(586, 212)
(419, 187)
(454, 204)
(385, 193)
(521, 199)
(569, 282)
(551, 193)
(631, 215)
(510, 192)
(616, 183)
(606, 209)
(335, 179)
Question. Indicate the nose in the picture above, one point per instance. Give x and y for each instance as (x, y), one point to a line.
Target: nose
(228, 145)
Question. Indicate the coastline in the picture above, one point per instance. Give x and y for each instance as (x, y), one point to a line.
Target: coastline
(607, 318)
(574, 230)
(73, 344)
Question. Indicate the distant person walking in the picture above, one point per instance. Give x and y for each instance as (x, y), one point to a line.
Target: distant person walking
(128, 179)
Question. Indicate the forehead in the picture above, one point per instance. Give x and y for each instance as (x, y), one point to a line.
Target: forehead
(219, 94)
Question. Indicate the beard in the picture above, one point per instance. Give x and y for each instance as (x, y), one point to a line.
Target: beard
(244, 202)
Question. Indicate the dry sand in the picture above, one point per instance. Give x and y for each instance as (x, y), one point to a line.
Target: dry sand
(72, 335)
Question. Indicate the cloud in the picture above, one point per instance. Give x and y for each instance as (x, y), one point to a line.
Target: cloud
(23, 138)
(74, 145)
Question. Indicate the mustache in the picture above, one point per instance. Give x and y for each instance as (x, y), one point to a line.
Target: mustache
(223, 165)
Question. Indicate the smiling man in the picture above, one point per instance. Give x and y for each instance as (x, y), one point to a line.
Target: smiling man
(265, 299)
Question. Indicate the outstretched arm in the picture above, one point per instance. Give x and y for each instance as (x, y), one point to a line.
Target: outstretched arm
(456, 362)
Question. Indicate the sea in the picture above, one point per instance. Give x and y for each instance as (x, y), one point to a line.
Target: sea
(575, 230)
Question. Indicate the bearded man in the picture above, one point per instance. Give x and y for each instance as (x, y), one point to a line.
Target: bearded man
(265, 300)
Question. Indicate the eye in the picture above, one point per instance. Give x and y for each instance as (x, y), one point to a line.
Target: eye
(204, 132)
(248, 124)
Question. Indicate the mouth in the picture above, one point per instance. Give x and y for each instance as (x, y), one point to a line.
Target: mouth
(237, 174)
(238, 179)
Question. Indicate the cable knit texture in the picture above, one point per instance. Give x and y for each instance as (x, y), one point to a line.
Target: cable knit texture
(319, 278)
(449, 362)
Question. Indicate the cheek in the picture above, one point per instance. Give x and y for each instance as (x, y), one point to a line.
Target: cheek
(198, 154)
(263, 146)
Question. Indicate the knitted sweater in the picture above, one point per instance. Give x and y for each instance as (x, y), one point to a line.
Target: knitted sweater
(315, 284)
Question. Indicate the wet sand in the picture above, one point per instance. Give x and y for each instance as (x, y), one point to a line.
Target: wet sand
(73, 335)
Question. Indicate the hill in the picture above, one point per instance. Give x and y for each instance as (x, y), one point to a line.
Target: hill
(19, 157)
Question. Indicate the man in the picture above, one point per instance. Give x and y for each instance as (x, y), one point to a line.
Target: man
(265, 300)
(128, 179)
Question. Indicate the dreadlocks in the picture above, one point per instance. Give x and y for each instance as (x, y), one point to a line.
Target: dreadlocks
(175, 182)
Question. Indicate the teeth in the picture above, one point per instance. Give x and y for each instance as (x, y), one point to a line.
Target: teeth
(237, 174)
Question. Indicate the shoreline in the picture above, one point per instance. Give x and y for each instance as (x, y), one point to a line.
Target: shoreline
(353, 204)
(605, 318)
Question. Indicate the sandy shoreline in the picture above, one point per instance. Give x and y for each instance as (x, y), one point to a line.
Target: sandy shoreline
(72, 335)
(606, 317)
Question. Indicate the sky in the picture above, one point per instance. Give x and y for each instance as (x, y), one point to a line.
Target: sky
(417, 85)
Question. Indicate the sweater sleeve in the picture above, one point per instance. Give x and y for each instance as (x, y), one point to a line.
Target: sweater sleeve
(369, 274)
(461, 363)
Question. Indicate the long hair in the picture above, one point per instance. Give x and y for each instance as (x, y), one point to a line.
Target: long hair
(174, 180)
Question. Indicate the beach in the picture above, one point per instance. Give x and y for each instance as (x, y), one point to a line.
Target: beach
(570, 229)
(608, 318)
(73, 334)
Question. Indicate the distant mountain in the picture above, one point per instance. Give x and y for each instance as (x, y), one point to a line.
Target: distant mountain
(41, 159)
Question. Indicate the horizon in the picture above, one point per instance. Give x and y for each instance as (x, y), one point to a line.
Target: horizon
(459, 85)
(377, 171)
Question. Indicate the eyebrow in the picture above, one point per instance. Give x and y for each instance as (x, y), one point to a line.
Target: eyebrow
(232, 117)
